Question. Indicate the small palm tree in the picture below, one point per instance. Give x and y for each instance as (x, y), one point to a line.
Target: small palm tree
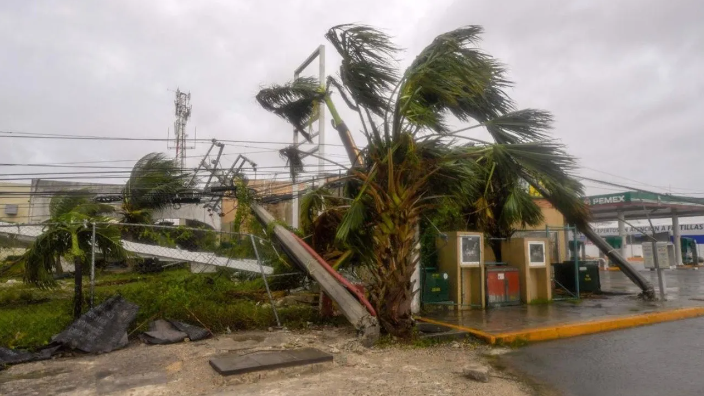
(154, 183)
(68, 234)
(412, 160)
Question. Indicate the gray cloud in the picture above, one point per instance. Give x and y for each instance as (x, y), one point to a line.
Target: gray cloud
(622, 78)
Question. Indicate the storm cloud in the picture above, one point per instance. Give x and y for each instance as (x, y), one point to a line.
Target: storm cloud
(623, 79)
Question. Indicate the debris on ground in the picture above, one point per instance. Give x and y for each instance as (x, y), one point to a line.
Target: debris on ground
(170, 331)
(232, 364)
(12, 356)
(475, 371)
(102, 329)
(184, 369)
(195, 333)
(162, 332)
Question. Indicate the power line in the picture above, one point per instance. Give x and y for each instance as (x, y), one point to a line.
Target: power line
(633, 180)
(28, 135)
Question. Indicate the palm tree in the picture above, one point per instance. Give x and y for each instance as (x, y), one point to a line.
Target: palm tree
(154, 183)
(69, 234)
(412, 159)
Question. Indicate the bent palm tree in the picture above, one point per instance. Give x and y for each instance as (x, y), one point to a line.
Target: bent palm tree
(412, 159)
(153, 184)
(69, 234)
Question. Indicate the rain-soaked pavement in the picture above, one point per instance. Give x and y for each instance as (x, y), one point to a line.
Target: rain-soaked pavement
(661, 359)
(685, 288)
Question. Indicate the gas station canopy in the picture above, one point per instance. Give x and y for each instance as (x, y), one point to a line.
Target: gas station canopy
(635, 205)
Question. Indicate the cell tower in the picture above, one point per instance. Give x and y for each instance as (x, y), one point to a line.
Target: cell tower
(183, 113)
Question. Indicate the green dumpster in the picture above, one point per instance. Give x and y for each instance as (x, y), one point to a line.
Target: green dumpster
(589, 281)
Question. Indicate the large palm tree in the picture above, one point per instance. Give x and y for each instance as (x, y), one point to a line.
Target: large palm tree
(412, 159)
(154, 183)
(69, 234)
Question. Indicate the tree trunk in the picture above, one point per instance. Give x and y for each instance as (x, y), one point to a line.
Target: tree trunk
(78, 288)
(57, 265)
(393, 309)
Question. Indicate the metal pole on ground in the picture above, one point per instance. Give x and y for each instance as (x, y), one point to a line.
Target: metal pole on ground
(92, 267)
(266, 284)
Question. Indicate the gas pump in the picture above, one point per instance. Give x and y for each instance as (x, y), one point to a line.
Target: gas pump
(689, 251)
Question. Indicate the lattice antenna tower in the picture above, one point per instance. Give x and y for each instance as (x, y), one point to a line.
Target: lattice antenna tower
(182, 103)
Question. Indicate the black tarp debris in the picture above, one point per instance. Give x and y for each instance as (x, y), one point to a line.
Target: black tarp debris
(171, 331)
(102, 329)
(195, 333)
(12, 356)
(162, 332)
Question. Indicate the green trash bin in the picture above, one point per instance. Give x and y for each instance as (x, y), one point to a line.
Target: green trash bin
(589, 281)
(436, 287)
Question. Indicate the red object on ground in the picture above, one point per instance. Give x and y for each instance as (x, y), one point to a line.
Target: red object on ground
(345, 282)
(503, 285)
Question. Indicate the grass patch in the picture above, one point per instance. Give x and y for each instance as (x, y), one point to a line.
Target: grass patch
(30, 316)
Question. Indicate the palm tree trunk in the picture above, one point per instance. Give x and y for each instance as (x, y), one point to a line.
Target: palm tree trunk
(57, 265)
(352, 151)
(78, 288)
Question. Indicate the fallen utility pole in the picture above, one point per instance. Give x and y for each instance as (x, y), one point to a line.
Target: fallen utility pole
(604, 247)
(366, 324)
(616, 258)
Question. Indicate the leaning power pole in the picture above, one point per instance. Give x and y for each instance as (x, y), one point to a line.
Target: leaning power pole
(183, 113)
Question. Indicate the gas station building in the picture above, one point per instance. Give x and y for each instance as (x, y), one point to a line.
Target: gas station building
(629, 206)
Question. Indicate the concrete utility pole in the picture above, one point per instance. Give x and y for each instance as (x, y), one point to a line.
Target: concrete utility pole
(622, 232)
(677, 237)
(183, 113)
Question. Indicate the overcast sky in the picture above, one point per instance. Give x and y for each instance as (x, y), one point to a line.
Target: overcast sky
(624, 79)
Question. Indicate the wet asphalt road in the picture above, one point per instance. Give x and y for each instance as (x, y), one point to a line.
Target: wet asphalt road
(661, 359)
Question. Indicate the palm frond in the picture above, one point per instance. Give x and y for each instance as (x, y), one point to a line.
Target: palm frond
(154, 183)
(353, 219)
(293, 158)
(519, 208)
(67, 201)
(452, 75)
(519, 126)
(295, 102)
(368, 69)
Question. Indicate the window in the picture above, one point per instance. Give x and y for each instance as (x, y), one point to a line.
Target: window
(11, 209)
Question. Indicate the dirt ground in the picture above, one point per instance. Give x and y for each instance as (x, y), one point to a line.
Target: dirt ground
(183, 369)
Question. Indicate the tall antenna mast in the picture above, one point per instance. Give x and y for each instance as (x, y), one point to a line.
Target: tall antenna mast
(183, 113)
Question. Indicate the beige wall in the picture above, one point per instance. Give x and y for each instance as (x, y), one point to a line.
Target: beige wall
(14, 194)
(553, 218)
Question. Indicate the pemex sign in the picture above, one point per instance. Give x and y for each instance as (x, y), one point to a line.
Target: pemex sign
(608, 199)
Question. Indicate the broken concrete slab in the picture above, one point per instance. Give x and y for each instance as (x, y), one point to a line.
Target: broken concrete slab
(268, 360)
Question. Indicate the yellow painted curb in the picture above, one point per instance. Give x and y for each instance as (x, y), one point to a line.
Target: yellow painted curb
(577, 329)
(477, 333)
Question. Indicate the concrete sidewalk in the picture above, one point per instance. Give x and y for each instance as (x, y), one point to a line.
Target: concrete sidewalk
(618, 307)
